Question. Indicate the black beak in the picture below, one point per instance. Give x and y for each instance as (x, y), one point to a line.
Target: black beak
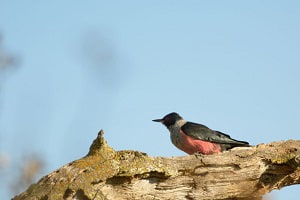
(158, 120)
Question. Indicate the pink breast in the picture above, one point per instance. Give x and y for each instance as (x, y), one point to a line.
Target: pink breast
(191, 146)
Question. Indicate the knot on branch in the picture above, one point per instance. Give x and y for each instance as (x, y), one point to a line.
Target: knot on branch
(100, 146)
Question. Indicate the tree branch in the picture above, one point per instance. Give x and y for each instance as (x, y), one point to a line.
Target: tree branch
(242, 173)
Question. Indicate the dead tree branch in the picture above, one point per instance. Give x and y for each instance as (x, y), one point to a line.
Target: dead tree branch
(242, 173)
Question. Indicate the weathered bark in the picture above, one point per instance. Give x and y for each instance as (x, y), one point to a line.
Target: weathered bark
(242, 173)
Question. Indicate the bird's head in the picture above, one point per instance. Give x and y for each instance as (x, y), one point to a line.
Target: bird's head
(169, 119)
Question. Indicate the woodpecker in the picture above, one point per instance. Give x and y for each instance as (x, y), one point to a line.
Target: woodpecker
(194, 138)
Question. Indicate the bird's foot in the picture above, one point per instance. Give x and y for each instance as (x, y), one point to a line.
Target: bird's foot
(198, 155)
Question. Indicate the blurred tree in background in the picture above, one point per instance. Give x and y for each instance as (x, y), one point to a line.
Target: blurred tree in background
(8, 62)
(31, 165)
(104, 73)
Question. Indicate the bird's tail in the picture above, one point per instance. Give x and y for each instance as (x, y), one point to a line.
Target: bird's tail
(237, 143)
(240, 143)
(231, 143)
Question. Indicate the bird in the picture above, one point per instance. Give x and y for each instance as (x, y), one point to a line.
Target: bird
(194, 138)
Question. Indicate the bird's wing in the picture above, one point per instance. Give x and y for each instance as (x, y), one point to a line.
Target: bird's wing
(201, 132)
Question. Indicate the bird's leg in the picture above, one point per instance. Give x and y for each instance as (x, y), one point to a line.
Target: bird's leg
(198, 155)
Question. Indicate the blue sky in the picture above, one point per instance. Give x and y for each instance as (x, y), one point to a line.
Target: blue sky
(231, 65)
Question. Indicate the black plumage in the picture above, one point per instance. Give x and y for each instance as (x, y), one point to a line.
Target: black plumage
(202, 132)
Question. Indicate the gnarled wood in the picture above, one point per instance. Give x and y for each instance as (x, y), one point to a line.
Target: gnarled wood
(242, 173)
